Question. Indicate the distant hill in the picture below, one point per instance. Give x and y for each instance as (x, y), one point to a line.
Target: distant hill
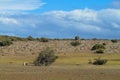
(25, 46)
(12, 38)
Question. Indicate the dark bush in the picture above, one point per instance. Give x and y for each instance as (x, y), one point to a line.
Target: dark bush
(104, 44)
(44, 39)
(83, 39)
(45, 58)
(98, 46)
(114, 41)
(38, 39)
(77, 37)
(94, 39)
(75, 43)
(6, 43)
(30, 38)
(100, 51)
(99, 61)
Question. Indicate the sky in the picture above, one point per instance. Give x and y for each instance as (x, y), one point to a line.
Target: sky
(60, 18)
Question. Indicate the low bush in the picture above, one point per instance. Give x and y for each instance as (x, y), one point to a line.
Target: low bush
(77, 37)
(44, 39)
(99, 61)
(100, 51)
(98, 46)
(30, 38)
(6, 43)
(94, 39)
(104, 44)
(45, 58)
(114, 41)
(75, 43)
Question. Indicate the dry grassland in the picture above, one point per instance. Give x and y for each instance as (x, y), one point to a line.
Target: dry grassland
(71, 64)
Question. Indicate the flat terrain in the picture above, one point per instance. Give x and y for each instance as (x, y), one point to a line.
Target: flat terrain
(58, 73)
(69, 66)
(72, 62)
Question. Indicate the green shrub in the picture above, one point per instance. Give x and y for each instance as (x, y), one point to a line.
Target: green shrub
(114, 41)
(30, 38)
(99, 61)
(44, 39)
(94, 39)
(45, 58)
(100, 51)
(75, 43)
(77, 37)
(6, 43)
(104, 44)
(98, 46)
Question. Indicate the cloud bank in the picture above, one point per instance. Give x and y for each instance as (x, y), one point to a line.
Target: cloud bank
(86, 23)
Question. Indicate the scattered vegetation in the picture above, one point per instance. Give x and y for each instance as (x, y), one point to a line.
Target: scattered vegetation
(17, 39)
(30, 38)
(44, 39)
(98, 46)
(114, 41)
(94, 39)
(100, 51)
(6, 43)
(77, 37)
(99, 61)
(45, 58)
(104, 44)
(75, 43)
(12, 38)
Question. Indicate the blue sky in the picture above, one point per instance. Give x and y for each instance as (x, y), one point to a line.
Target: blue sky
(60, 18)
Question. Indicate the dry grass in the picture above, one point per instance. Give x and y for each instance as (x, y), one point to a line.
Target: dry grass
(8, 72)
(16, 59)
(65, 68)
(72, 63)
(83, 58)
(64, 58)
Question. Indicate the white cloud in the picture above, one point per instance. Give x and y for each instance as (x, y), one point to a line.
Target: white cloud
(116, 25)
(20, 4)
(8, 21)
(84, 22)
